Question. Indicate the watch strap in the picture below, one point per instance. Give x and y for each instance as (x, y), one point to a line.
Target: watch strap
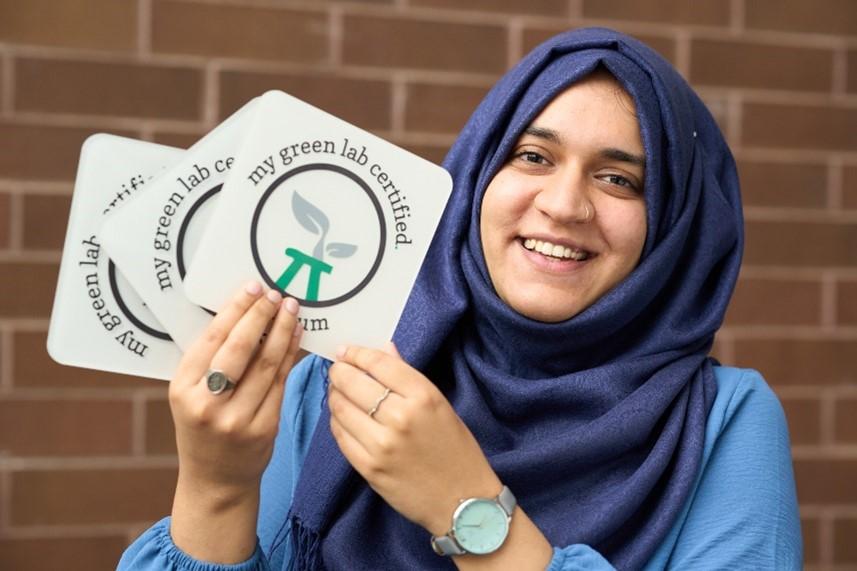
(507, 500)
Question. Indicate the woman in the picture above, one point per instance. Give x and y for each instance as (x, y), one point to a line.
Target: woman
(555, 365)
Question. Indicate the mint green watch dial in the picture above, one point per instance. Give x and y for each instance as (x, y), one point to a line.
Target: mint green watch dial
(480, 526)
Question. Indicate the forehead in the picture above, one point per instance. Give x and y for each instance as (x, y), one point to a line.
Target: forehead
(596, 106)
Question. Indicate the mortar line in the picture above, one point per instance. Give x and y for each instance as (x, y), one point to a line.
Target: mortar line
(737, 10)
(144, 28)
(829, 307)
(515, 41)
(336, 29)
(827, 411)
(398, 104)
(835, 191)
(839, 77)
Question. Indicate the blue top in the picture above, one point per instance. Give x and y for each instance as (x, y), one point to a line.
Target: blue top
(741, 514)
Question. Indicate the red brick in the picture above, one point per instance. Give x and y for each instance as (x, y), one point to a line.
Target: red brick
(94, 88)
(433, 153)
(5, 220)
(67, 497)
(821, 16)
(702, 12)
(846, 303)
(45, 219)
(811, 530)
(804, 418)
(366, 103)
(414, 43)
(540, 7)
(179, 140)
(826, 481)
(37, 152)
(793, 244)
(783, 184)
(799, 126)
(764, 66)
(27, 289)
(533, 36)
(775, 302)
(845, 419)
(33, 368)
(844, 544)
(239, 31)
(66, 553)
(160, 430)
(65, 428)
(849, 187)
(99, 24)
(438, 108)
(786, 361)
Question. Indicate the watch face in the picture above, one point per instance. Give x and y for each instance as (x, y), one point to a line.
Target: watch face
(480, 526)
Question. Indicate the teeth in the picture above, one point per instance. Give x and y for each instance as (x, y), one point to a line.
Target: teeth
(554, 250)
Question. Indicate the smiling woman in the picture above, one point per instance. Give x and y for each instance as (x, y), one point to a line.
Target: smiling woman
(554, 405)
(564, 220)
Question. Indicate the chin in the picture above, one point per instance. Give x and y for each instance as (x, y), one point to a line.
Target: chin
(545, 312)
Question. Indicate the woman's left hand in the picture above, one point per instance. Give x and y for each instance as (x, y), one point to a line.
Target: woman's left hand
(414, 450)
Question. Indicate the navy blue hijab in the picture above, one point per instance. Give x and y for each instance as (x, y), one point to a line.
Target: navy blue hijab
(597, 424)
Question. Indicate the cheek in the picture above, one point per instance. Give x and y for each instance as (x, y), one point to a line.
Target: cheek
(627, 232)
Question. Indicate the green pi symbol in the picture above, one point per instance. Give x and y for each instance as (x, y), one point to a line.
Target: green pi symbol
(299, 260)
(315, 221)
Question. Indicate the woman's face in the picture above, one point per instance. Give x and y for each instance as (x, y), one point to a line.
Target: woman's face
(564, 221)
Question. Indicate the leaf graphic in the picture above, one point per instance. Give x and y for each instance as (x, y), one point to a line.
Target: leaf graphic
(340, 250)
(309, 216)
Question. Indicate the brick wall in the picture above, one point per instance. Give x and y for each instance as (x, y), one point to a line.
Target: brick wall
(87, 459)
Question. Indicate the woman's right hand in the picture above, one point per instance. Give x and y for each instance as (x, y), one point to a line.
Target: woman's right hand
(225, 440)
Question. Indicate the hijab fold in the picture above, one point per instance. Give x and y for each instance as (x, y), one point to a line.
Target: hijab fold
(597, 423)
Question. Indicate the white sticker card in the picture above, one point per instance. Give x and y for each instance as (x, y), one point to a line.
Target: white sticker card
(155, 238)
(98, 320)
(327, 213)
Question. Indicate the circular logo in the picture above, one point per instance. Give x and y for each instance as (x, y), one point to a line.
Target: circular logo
(132, 305)
(318, 234)
(190, 235)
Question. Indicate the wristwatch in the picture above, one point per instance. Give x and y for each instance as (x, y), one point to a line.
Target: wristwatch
(479, 526)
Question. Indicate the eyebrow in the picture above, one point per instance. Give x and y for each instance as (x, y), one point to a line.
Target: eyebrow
(608, 153)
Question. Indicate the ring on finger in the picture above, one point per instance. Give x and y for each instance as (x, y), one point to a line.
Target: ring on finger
(217, 381)
(378, 402)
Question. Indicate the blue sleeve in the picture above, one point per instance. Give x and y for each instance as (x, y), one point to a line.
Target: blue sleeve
(744, 514)
(154, 550)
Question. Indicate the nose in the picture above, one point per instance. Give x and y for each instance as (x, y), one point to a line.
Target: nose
(564, 197)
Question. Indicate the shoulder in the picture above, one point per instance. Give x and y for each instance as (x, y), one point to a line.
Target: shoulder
(744, 403)
(743, 512)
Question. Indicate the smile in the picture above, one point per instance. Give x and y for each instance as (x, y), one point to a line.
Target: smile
(555, 250)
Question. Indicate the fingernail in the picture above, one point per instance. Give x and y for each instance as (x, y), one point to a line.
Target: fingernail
(253, 288)
(340, 351)
(291, 305)
(274, 296)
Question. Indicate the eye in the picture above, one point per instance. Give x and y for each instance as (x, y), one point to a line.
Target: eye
(531, 157)
(619, 180)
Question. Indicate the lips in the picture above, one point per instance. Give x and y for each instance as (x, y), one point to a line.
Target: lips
(556, 250)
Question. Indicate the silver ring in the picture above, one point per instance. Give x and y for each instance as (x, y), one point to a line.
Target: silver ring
(378, 402)
(217, 381)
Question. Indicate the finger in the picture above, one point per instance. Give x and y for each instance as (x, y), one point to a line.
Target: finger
(197, 359)
(267, 416)
(264, 366)
(241, 344)
(390, 349)
(354, 452)
(358, 387)
(388, 370)
(354, 420)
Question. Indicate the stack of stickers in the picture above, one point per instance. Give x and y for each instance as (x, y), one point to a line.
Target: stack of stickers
(282, 193)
